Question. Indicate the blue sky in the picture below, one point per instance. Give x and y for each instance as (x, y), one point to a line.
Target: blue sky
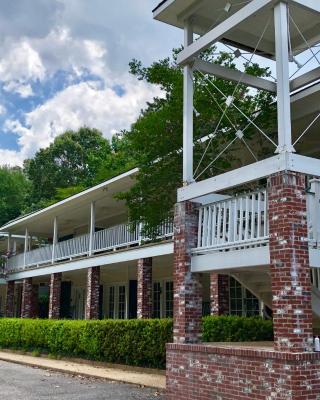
(64, 64)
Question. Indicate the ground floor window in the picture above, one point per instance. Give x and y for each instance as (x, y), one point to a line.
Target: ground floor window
(162, 299)
(116, 301)
(242, 301)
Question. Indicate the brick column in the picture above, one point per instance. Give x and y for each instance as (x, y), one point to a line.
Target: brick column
(27, 297)
(289, 255)
(10, 300)
(187, 286)
(55, 295)
(144, 293)
(219, 294)
(93, 285)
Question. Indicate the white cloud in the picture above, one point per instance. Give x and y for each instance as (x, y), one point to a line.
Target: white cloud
(79, 105)
(3, 109)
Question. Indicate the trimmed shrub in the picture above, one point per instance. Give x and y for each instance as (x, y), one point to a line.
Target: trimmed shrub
(236, 329)
(132, 342)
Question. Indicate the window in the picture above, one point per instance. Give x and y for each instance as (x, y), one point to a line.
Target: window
(117, 302)
(169, 299)
(122, 302)
(156, 304)
(242, 301)
(111, 302)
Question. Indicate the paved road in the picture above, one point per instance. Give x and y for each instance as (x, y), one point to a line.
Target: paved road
(18, 382)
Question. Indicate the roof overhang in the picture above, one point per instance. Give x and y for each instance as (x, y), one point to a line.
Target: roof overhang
(207, 14)
(74, 211)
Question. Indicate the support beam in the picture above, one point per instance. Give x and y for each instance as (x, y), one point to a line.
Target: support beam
(305, 79)
(234, 75)
(55, 238)
(219, 31)
(26, 247)
(283, 86)
(9, 244)
(188, 112)
(92, 226)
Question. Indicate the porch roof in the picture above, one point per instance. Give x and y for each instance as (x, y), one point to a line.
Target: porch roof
(74, 211)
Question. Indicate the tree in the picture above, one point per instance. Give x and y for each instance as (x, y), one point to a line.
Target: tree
(71, 161)
(14, 190)
(155, 138)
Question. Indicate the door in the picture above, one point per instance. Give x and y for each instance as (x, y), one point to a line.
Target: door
(65, 308)
(133, 292)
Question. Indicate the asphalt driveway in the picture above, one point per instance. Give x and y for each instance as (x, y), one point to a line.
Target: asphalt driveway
(19, 382)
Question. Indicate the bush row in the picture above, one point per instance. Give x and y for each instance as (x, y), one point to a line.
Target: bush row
(132, 342)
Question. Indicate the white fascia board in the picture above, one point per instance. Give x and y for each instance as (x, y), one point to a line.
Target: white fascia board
(229, 260)
(304, 165)
(234, 75)
(236, 177)
(160, 9)
(68, 200)
(305, 79)
(313, 5)
(219, 31)
(156, 250)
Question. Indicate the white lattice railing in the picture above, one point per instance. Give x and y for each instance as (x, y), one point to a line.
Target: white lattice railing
(233, 222)
(107, 239)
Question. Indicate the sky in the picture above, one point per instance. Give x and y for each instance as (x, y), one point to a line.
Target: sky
(64, 64)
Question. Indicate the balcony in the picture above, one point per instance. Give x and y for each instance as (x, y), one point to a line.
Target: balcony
(107, 240)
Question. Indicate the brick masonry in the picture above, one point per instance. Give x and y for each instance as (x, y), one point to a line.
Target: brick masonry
(10, 299)
(219, 294)
(187, 286)
(289, 255)
(93, 286)
(144, 293)
(27, 298)
(55, 295)
(226, 373)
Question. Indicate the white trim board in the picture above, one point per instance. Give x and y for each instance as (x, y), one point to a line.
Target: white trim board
(249, 173)
(228, 260)
(102, 260)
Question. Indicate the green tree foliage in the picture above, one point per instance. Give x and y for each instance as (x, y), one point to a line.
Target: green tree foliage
(68, 165)
(155, 138)
(14, 188)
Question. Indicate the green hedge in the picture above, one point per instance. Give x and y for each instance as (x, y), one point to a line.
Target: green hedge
(236, 329)
(132, 342)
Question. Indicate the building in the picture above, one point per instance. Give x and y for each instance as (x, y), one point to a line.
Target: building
(267, 238)
(84, 249)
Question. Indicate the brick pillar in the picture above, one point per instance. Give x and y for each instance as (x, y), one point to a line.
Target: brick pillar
(187, 286)
(27, 297)
(93, 286)
(55, 295)
(10, 300)
(289, 255)
(219, 294)
(144, 293)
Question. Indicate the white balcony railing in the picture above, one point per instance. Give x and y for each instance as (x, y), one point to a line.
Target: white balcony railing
(234, 222)
(113, 238)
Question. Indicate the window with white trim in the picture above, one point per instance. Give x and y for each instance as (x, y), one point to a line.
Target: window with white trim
(116, 301)
(242, 301)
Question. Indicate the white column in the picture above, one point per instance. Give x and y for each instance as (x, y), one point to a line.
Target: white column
(55, 238)
(9, 244)
(283, 84)
(26, 247)
(188, 111)
(92, 226)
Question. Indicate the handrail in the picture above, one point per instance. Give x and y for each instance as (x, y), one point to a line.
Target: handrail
(112, 238)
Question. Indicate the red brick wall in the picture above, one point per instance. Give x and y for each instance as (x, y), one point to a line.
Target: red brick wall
(219, 294)
(187, 286)
(144, 291)
(200, 372)
(289, 255)
(10, 300)
(93, 286)
(27, 298)
(55, 295)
